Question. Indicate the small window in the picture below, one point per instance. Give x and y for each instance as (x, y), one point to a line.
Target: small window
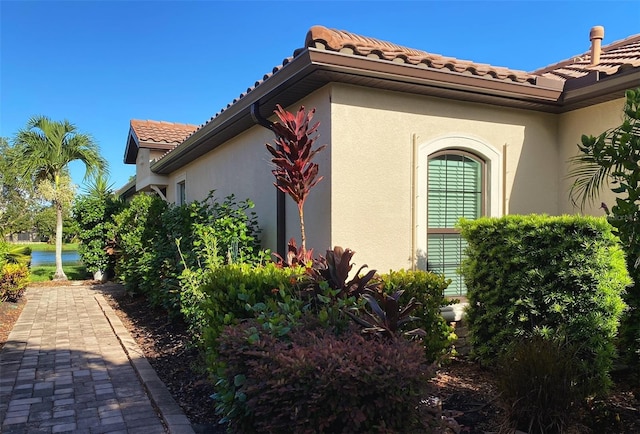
(455, 189)
(181, 192)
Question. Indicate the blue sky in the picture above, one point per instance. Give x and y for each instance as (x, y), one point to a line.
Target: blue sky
(100, 64)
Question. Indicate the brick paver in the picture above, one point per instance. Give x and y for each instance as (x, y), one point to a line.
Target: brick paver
(69, 365)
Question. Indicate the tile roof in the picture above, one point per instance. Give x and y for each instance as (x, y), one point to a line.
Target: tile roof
(320, 37)
(162, 133)
(345, 42)
(614, 58)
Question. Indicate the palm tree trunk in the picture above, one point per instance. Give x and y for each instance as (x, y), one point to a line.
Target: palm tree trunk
(59, 275)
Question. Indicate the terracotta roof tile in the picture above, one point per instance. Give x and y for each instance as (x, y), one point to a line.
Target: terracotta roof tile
(162, 133)
(614, 58)
(350, 43)
(346, 42)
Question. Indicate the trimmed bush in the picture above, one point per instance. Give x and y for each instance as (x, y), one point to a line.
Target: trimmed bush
(13, 281)
(231, 293)
(320, 382)
(428, 289)
(550, 276)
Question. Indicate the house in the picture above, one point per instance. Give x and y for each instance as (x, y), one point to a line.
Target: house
(148, 141)
(416, 140)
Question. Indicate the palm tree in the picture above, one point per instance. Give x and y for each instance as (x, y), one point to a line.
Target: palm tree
(46, 148)
(610, 160)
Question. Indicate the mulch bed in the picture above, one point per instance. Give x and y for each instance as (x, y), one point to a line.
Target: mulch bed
(467, 391)
(9, 314)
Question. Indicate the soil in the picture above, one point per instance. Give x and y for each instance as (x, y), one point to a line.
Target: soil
(467, 391)
(9, 314)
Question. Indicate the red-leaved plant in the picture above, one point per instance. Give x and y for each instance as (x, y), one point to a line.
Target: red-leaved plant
(295, 173)
(295, 257)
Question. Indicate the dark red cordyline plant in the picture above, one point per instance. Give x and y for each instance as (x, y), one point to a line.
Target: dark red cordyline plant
(294, 256)
(295, 173)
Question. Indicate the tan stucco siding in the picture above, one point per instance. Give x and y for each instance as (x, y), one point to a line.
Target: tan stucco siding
(238, 167)
(144, 176)
(374, 138)
(592, 120)
(317, 209)
(242, 167)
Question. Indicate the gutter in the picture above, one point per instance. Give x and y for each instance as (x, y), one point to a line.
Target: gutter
(237, 116)
(581, 91)
(127, 190)
(281, 215)
(312, 68)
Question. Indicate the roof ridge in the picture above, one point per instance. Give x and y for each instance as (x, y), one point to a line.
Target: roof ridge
(163, 122)
(342, 40)
(336, 39)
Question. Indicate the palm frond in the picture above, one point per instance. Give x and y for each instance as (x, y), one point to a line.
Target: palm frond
(589, 177)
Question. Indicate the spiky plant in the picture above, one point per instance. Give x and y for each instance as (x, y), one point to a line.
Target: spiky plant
(295, 173)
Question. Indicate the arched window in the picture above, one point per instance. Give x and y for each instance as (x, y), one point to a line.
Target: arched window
(457, 176)
(455, 189)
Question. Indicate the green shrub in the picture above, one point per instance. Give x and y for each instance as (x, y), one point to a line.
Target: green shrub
(609, 160)
(228, 224)
(94, 218)
(148, 232)
(539, 385)
(4, 250)
(233, 292)
(428, 289)
(13, 281)
(136, 228)
(320, 382)
(551, 276)
(18, 255)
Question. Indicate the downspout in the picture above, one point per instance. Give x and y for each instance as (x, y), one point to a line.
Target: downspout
(281, 226)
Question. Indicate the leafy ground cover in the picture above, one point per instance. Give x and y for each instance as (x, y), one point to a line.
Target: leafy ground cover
(467, 391)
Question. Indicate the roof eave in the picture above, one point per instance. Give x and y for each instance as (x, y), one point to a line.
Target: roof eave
(597, 88)
(439, 82)
(312, 68)
(237, 117)
(131, 150)
(128, 189)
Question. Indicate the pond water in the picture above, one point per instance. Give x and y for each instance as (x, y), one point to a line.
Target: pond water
(49, 258)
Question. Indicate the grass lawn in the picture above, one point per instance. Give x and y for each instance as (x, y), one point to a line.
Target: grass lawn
(44, 247)
(44, 273)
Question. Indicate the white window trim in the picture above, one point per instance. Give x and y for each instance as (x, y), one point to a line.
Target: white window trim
(493, 159)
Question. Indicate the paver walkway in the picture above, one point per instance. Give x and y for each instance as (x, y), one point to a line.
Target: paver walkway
(69, 365)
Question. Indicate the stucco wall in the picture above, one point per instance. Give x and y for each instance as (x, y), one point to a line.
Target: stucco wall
(242, 167)
(317, 209)
(368, 200)
(374, 134)
(592, 120)
(144, 176)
